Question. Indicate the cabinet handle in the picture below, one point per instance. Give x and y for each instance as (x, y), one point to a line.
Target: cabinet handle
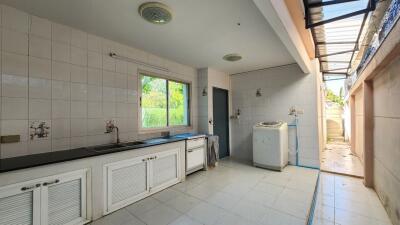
(144, 160)
(51, 182)
(30, 187)
(190, 150)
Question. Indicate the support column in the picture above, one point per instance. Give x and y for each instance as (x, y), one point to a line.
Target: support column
(353, 124)
(368, 134)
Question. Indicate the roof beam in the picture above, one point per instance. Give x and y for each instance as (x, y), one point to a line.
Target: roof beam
(345, 16)
(335, 43)
(335, 53)
(332, 2)
(327, 72)
(345, 68)
(326, 61)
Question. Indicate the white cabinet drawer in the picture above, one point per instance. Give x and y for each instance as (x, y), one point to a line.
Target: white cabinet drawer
(194, 143)
(194, 158)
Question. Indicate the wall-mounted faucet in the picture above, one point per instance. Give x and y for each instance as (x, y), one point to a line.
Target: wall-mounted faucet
(110, 126)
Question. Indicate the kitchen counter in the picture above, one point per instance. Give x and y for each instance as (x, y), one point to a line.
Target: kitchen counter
(23, 162)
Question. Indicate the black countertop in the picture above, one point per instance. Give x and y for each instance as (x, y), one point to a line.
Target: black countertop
(28, 161)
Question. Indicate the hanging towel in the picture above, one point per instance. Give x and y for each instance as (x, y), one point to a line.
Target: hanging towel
(212, 151)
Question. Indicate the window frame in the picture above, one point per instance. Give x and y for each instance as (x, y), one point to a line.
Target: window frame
(142, 129)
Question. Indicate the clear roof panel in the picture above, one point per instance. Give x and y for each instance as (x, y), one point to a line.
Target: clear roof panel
(335, 10)
(336, 39)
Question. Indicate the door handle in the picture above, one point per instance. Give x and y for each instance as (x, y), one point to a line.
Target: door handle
(51, 182)
(30, 187)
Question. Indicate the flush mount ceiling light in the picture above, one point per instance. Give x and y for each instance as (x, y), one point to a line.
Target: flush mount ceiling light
(232, 57)
(155, 12)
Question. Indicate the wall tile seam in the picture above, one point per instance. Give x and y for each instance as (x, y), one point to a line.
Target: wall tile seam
(384, 166)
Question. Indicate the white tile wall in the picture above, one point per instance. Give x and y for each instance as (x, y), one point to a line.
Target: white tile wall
(281, 88)
(64, 76)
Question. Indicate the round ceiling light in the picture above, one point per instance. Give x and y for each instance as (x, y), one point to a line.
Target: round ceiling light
(232, 57)
(155, 12)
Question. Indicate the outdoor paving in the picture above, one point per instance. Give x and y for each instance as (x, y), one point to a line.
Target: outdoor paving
(338, 158)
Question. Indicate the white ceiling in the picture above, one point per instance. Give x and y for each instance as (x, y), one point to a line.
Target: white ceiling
(200, 33)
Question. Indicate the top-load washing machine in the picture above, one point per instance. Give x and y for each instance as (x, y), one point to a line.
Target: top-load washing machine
(270, 145)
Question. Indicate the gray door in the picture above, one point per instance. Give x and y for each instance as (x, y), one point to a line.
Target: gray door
(221, 120)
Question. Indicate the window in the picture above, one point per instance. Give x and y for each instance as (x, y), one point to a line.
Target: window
(164, 103)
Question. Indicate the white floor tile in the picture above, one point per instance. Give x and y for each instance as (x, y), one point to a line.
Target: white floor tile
(183, 203)
(143, 206)
(223, 200)
(160, 215)
(250, 211)
(166, 195)
(232, 193)
(205, 213)
(119, 217)
(232, 219)
(351, 203)
(184, 220)
(274, 217)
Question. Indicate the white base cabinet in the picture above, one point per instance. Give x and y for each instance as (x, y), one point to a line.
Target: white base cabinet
(195, 155)
(130, 180)
(55, 200)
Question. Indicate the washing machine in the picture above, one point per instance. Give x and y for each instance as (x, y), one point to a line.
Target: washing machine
(270, 145)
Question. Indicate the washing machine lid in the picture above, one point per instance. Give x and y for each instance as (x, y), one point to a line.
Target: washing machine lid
(270, 124)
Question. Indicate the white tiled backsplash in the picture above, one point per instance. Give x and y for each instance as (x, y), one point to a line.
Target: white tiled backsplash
(64, 77)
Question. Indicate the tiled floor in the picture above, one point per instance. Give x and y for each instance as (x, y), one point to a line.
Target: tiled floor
(344, 200)
(337, 157)
(233, 194)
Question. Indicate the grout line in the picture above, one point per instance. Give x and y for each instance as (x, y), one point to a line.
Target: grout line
(314, 201)
(334, 199)
(344, 174)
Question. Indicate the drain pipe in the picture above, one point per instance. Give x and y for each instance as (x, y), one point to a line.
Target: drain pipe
(294, 112)
(297, 139)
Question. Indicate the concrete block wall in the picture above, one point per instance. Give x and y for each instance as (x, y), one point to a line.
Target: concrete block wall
(64, 77)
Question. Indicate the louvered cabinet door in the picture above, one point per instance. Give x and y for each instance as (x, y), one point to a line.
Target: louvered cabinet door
(64, 199)
(126, 182)
(164, 170)
(20, 204)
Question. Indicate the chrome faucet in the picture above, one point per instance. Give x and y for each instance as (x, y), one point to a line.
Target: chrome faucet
(110, 126)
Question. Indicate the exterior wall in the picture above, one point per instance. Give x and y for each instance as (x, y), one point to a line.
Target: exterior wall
(64, 77)
(359, 124)
(334, 115)
(386, 119)
(281, 88)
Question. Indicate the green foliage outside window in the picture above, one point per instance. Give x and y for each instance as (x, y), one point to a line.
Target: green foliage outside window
(155, 104)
